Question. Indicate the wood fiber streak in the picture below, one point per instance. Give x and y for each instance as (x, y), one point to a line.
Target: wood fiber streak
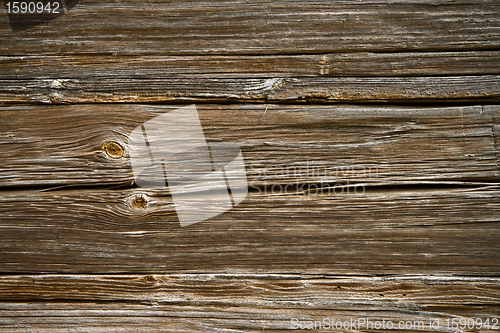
(489, 109)
(443, 89)
(240, 303)
(261, 27)
(436, 231)
(104, 66)
(280, 144)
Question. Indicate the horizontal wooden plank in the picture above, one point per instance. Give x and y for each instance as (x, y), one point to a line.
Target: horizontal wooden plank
(370, 231)
(81, 317)
(281, 144)
(203, 288)
(104, 66)
(443, 89)
(240, 303)
(260, 27)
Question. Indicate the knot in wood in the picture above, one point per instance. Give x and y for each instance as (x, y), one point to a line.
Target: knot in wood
(149, 278)
(113, 149)
(139, 202)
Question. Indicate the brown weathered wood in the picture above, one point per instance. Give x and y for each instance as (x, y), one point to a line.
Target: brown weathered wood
(445, 89)
(328, 290)
(285, 144)
(104, 66)
(256, 27)
(240, 303)
(383, 231)
(489, 109)
(404, 229)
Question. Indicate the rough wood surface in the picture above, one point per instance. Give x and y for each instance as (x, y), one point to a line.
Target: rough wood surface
(383, 231)
(393, 213)
(261, 27)
(366, 77)
(285, 144)
(237, 303)
(443, 89)
(103, 66)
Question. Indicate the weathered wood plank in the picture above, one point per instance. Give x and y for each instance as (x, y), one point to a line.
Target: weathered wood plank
(239, 303)
(241, 288)
(82, 317)
(419, 231)
(67, 145)
(443, 89)
(238, 66)
(261, 27)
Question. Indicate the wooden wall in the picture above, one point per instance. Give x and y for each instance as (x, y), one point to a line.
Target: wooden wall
(383, 117)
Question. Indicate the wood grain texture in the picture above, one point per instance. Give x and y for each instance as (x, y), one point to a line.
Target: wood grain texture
(283, 145)
(261, 27)
(102, 66)
(420, 231)
(236, 303)
(443, 89)
(64, 317)
(378, 212)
